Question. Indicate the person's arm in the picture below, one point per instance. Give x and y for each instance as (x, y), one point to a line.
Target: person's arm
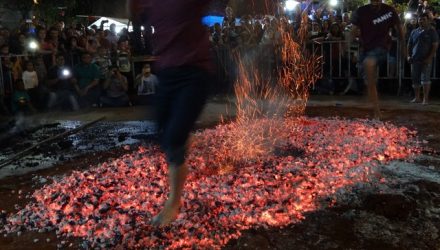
(106, 83)
(410, 48)
(52, 82)
(124, 82)
(433, 49)
(91, 85)
(76, 86)
(95, 81)
(355, 32)
(355, 29)
(137, 80)
(401, 37)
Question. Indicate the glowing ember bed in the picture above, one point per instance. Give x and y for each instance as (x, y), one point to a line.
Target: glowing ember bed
(244, 175)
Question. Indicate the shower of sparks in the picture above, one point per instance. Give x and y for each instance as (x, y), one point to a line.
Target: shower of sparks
(111, 205)
(260, 92)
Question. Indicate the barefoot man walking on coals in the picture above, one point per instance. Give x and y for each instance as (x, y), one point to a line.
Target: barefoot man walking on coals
(372, 24)
(181, 43)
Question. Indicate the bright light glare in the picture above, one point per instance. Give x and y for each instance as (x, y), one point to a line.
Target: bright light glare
(118, 29)
(408, 15)
(66, 72)
(33, 45)
(333, 3)
(290, 5)
(142, 28)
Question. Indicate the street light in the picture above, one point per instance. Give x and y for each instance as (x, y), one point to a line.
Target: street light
(290, 5)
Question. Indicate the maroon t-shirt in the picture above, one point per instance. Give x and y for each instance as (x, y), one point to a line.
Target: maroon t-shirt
(179, 38)
(375, 24)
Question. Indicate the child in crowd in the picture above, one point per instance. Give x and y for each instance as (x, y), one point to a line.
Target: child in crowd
(146, 82)
(30, 80)
(21, 101)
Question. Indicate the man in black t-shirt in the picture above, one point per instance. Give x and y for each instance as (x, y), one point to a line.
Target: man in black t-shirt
(372, 24)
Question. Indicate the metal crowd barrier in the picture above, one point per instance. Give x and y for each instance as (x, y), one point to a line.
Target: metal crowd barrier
(339, 58)
(340, 62)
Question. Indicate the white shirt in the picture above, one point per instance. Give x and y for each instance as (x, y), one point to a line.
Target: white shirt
(30, 79)
(148, 85)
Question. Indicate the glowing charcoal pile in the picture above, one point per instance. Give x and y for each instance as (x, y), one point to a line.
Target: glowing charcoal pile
(234, 185)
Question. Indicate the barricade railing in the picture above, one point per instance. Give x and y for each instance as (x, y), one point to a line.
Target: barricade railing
(340, 62)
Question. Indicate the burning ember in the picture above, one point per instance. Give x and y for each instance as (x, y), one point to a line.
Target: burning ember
(232, 187)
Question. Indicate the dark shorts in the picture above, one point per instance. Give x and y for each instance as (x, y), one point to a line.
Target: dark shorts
(379, 54)
(180, 98)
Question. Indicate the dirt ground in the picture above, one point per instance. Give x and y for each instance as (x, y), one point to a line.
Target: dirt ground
(407, 217)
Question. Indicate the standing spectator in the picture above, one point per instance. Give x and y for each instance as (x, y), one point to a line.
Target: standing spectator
(86, 81)
(7, 73)
(40, 68)
(216, 36)
(124, 61)
(60, 85)
(103, 61)
(74, 51)
(422, 46)
(115, 89)
(372, 23)
(111, 36)
(102, 40)
(46, 47)
(30, 80)
(18, 45)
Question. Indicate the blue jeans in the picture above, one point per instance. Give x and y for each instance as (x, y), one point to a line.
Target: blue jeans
(180, 98)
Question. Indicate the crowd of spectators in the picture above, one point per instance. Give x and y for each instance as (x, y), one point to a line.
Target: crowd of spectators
(75, 67)
(329, 33)
(68, 67)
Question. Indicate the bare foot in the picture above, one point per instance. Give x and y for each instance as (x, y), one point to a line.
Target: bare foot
(415, 100)
(377, 114)
(166, 216)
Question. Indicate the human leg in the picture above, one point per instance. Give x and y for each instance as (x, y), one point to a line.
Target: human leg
(426, 82)
(177, 177)
(182, 97)
(426, 90)
(416, 71)
(370, 69)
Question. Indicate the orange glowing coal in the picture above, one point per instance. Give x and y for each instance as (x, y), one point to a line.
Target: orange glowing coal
(110, 205)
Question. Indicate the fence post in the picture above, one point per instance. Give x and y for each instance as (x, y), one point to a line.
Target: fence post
(2, 85)
(400, 63)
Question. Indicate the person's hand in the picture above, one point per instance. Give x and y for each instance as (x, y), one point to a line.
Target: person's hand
(427, 61)
(409, 59)
(85, 91)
